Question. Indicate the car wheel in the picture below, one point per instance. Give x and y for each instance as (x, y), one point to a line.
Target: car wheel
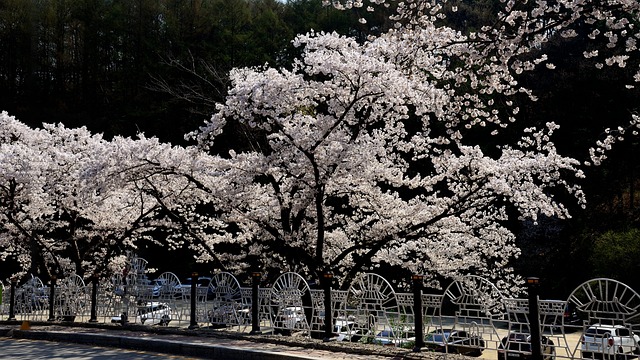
(164, 321)
(620, 355)
(476, 353)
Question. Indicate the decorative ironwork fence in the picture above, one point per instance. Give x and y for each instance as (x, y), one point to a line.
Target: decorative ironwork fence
(471, 316)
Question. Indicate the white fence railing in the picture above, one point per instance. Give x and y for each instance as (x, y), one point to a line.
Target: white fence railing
(470, 316)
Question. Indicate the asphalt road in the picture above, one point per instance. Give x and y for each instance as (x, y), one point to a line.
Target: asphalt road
(15, 349)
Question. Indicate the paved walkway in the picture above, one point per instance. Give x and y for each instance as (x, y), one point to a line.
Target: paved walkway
(212, 346)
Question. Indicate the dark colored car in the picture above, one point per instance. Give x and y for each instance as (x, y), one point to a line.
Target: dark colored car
(571, 317)
(517, 346)
(455, 341)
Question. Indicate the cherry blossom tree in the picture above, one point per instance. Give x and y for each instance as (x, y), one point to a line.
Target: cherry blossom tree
(371, 151)
(363, 165)
(72, 202)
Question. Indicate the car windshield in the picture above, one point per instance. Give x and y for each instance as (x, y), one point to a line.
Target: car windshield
(517, 342)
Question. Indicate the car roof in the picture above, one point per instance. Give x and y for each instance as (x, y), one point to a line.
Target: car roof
(344, 322)
(606, 326)
(154, 303)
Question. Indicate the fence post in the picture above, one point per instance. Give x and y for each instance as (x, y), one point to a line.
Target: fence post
(94, 298)
(52, 297)
(417, 311)
(255, 304)
(12, 300)
(534, 319)
(327, 280)
(194, 294)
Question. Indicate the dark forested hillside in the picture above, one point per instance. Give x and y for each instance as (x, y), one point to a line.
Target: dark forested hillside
(106, 64)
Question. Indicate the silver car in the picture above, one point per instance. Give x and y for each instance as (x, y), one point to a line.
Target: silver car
(608, 341)
(150, 313)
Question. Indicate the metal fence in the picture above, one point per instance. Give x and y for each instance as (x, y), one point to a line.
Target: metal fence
(471, 316)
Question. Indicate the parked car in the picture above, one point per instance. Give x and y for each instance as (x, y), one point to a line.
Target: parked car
(346, 330)
(455, 341)
(148, 314)
(609, 341)
(569, 322)
(571, 316)
(161, 287)
(517, 346)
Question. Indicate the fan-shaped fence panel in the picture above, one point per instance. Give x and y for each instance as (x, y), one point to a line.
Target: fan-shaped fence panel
(291, 304)
(32, 300)
(133, 280)
(226, 307)
(470, 306)
(167, 287)
(606, 301)
(605, 309)
(372, 304)
(71, 298)
(474, 297)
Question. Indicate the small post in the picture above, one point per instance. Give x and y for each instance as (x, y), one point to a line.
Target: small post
(327, 280)
(94, 298)
(12, 300)
(417, 311)
(52, 297)
(194, 294)
(255, 306)
(534, 318)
